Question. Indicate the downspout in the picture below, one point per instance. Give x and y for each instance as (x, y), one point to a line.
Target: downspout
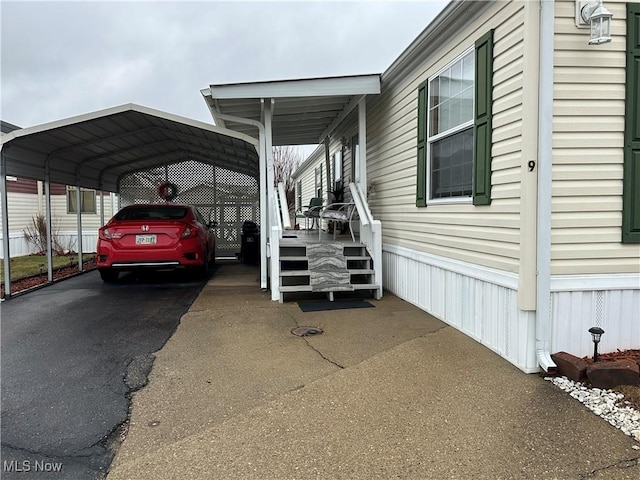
(545, 162)
(263, 181)
(5, 225)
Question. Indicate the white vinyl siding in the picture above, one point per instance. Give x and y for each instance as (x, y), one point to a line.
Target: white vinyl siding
(306, 174)
(588, 126)
(487, 235)
(23, 206)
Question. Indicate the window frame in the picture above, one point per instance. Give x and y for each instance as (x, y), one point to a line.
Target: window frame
(482, 170)
(71, 192)
(319, 190)
(430, 139)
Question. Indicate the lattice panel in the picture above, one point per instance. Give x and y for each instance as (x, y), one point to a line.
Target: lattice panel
(219, 194)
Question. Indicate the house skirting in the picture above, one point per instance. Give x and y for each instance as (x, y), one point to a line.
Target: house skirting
(608, 301)
(482, 303)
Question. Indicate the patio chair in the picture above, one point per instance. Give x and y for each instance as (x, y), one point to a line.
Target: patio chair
(338, 213)
(312, 212)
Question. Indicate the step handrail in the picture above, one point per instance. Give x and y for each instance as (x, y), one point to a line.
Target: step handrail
(361, 206)
(283, 207)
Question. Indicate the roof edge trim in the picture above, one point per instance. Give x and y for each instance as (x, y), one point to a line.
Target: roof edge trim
(456, 12)
(124, 108)
(305, 87)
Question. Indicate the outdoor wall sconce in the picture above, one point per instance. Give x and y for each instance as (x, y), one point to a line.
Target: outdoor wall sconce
(596, 333)
(595, 16)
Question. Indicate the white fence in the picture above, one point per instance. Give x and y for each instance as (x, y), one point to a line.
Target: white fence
(18, 245)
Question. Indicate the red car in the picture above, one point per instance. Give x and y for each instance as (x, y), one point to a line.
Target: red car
(160, 237)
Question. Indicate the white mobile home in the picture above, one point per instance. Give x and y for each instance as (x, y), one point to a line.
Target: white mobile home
(503, 161)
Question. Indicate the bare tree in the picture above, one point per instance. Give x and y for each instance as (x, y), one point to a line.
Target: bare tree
(285, 161)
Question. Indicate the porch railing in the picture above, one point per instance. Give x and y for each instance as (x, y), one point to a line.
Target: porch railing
(370, 234)
(283, 207)
(277, 217)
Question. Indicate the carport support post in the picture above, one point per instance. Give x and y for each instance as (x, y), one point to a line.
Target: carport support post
(5, 226)
(79, 221)
(47, 201)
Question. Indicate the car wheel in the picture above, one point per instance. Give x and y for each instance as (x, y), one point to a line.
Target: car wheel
(108, 275)
(212, 260)
(203, 270)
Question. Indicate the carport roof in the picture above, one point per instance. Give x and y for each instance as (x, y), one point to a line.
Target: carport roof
(304, 112)
(96, 149)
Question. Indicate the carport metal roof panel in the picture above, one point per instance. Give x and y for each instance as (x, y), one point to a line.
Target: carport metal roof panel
(94, 150)
(304, 111)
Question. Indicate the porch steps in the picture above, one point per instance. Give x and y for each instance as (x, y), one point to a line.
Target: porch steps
(295, 274)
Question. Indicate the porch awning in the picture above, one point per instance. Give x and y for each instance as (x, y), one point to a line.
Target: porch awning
(96, 149)
(304, 111)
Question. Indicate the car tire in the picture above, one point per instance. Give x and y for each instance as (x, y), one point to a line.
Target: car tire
(203, 270)
(212, 260)
(108, 275)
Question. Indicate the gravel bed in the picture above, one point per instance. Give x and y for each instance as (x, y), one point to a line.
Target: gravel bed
(607, 404)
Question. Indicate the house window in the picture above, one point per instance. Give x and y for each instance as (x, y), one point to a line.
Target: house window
(319, 181)
(87, 200)
(299, 194)
(454, 129)
(450, 127)
(337, 166)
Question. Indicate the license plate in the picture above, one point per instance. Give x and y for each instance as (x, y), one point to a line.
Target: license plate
(145, 239)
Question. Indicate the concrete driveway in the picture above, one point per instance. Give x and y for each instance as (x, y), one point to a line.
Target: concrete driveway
(384, 392)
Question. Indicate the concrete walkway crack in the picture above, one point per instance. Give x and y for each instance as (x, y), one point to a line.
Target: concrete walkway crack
(321, 354)
(315, 349)
(632, 462)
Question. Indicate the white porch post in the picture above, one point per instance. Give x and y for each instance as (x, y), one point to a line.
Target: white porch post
(263, 208)
(362, 145)
(268, 134)
(5, 226)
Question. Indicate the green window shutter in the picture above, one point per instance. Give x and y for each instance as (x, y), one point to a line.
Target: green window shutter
(631, 179)
(482, 120)
(421, 181)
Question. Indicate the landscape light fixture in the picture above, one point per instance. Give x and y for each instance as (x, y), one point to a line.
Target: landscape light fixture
(595, 16)
(596, 333)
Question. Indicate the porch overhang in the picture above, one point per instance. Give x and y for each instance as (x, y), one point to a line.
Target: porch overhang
(304, 111)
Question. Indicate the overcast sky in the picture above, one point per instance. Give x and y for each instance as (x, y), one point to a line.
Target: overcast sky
(61, 59)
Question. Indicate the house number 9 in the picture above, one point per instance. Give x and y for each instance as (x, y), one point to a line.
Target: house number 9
(532, 165)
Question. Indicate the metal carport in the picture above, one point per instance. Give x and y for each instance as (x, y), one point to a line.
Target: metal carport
(97, 149)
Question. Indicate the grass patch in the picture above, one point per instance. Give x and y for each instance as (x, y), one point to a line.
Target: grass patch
(29, 265)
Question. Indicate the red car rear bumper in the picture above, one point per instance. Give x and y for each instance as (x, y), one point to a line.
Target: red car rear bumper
(187, 253)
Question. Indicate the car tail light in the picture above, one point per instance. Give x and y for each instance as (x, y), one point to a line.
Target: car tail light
(190, 231)
(105, 234)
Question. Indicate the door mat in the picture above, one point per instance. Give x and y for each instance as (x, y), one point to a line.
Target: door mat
(324, 305)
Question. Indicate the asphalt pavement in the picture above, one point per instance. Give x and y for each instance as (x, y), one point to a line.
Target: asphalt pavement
(71, 354)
